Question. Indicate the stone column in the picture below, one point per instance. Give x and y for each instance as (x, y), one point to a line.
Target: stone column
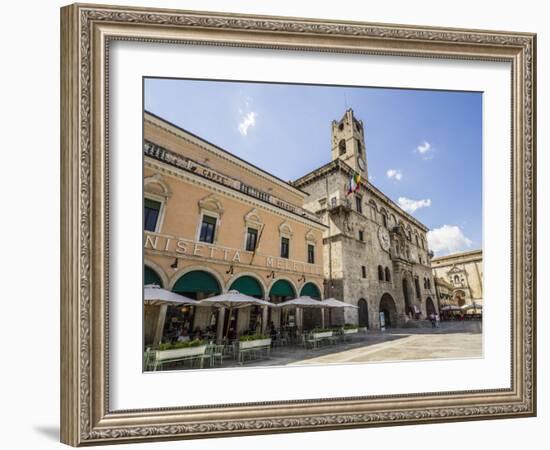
(160, 325)
(264, 319)
(220, 331)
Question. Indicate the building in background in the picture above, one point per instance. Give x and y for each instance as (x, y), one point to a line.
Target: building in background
(376, 255)
(213, 223)
(462, 273)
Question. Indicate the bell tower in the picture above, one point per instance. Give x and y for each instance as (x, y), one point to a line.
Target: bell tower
(348, 143)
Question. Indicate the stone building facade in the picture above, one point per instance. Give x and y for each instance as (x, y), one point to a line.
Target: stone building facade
(375, 254)
(212, 223)
(464, 273)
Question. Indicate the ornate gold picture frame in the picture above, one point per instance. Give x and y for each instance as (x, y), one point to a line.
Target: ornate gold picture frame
(87, 32)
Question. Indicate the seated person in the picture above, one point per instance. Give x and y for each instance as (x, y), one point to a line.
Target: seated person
(183, 335)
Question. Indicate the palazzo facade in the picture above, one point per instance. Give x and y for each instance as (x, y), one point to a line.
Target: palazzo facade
(213, 223)
(376, 255)
(463, 273)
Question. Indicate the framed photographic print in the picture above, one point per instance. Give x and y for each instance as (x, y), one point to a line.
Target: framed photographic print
(277, 224)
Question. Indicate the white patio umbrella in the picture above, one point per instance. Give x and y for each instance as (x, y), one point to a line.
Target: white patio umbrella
(232, 299)
(334, 303)
(301, 302)
(154, 295)
(451, 308)
(474, 305)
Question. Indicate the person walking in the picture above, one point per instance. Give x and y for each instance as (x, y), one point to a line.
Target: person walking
(432, 319)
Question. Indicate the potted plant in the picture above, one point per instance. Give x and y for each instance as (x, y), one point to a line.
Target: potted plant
(320, 333)
(350, 328)
(254, 340)
(180, 350)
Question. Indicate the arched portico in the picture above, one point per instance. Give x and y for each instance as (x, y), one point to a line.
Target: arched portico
(430, 307)
(251, 318)
(312, 317)
(280, 291)
(388, 311)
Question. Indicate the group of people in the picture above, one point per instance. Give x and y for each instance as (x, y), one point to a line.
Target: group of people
(434, 319)
(184, 333)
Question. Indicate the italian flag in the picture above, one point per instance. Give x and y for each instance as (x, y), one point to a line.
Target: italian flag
(354, 183)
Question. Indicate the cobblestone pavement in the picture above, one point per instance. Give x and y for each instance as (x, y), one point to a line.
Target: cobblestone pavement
(409, 346)
(452, 340)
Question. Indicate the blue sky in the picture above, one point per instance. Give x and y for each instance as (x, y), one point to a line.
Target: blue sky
(424, 148)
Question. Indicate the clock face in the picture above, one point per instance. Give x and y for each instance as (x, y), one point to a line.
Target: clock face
(361, 163)
(384, 238)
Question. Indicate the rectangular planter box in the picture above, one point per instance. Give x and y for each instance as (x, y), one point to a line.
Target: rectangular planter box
(324, 334)
(163, 355)
(351, 331)
(257, 343)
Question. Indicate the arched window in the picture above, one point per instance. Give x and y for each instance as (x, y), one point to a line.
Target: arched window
(342, 147)
(457, 280)
(385, 219)
(388, 274)
(380, 273)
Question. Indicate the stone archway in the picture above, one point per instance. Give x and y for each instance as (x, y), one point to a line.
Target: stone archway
(430, 307)
(363, 313)
(388, 311)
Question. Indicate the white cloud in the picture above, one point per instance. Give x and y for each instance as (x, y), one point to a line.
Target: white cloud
(425, 150)
(412, 205)
(448, 239)
(249, 120)
(394, 174)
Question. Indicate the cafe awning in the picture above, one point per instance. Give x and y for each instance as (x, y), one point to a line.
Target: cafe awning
(282, 288)
(197, 281)
(247, 285)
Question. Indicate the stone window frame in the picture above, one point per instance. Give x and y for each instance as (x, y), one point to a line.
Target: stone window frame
(210, 206)
(359, 203)
(252, 220)
(381, 275)
(160, 197)
(310, 240)
(374, 210)
(285, 231)
(385, 218)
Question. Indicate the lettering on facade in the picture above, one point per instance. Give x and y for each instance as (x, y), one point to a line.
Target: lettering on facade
(170, 244)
